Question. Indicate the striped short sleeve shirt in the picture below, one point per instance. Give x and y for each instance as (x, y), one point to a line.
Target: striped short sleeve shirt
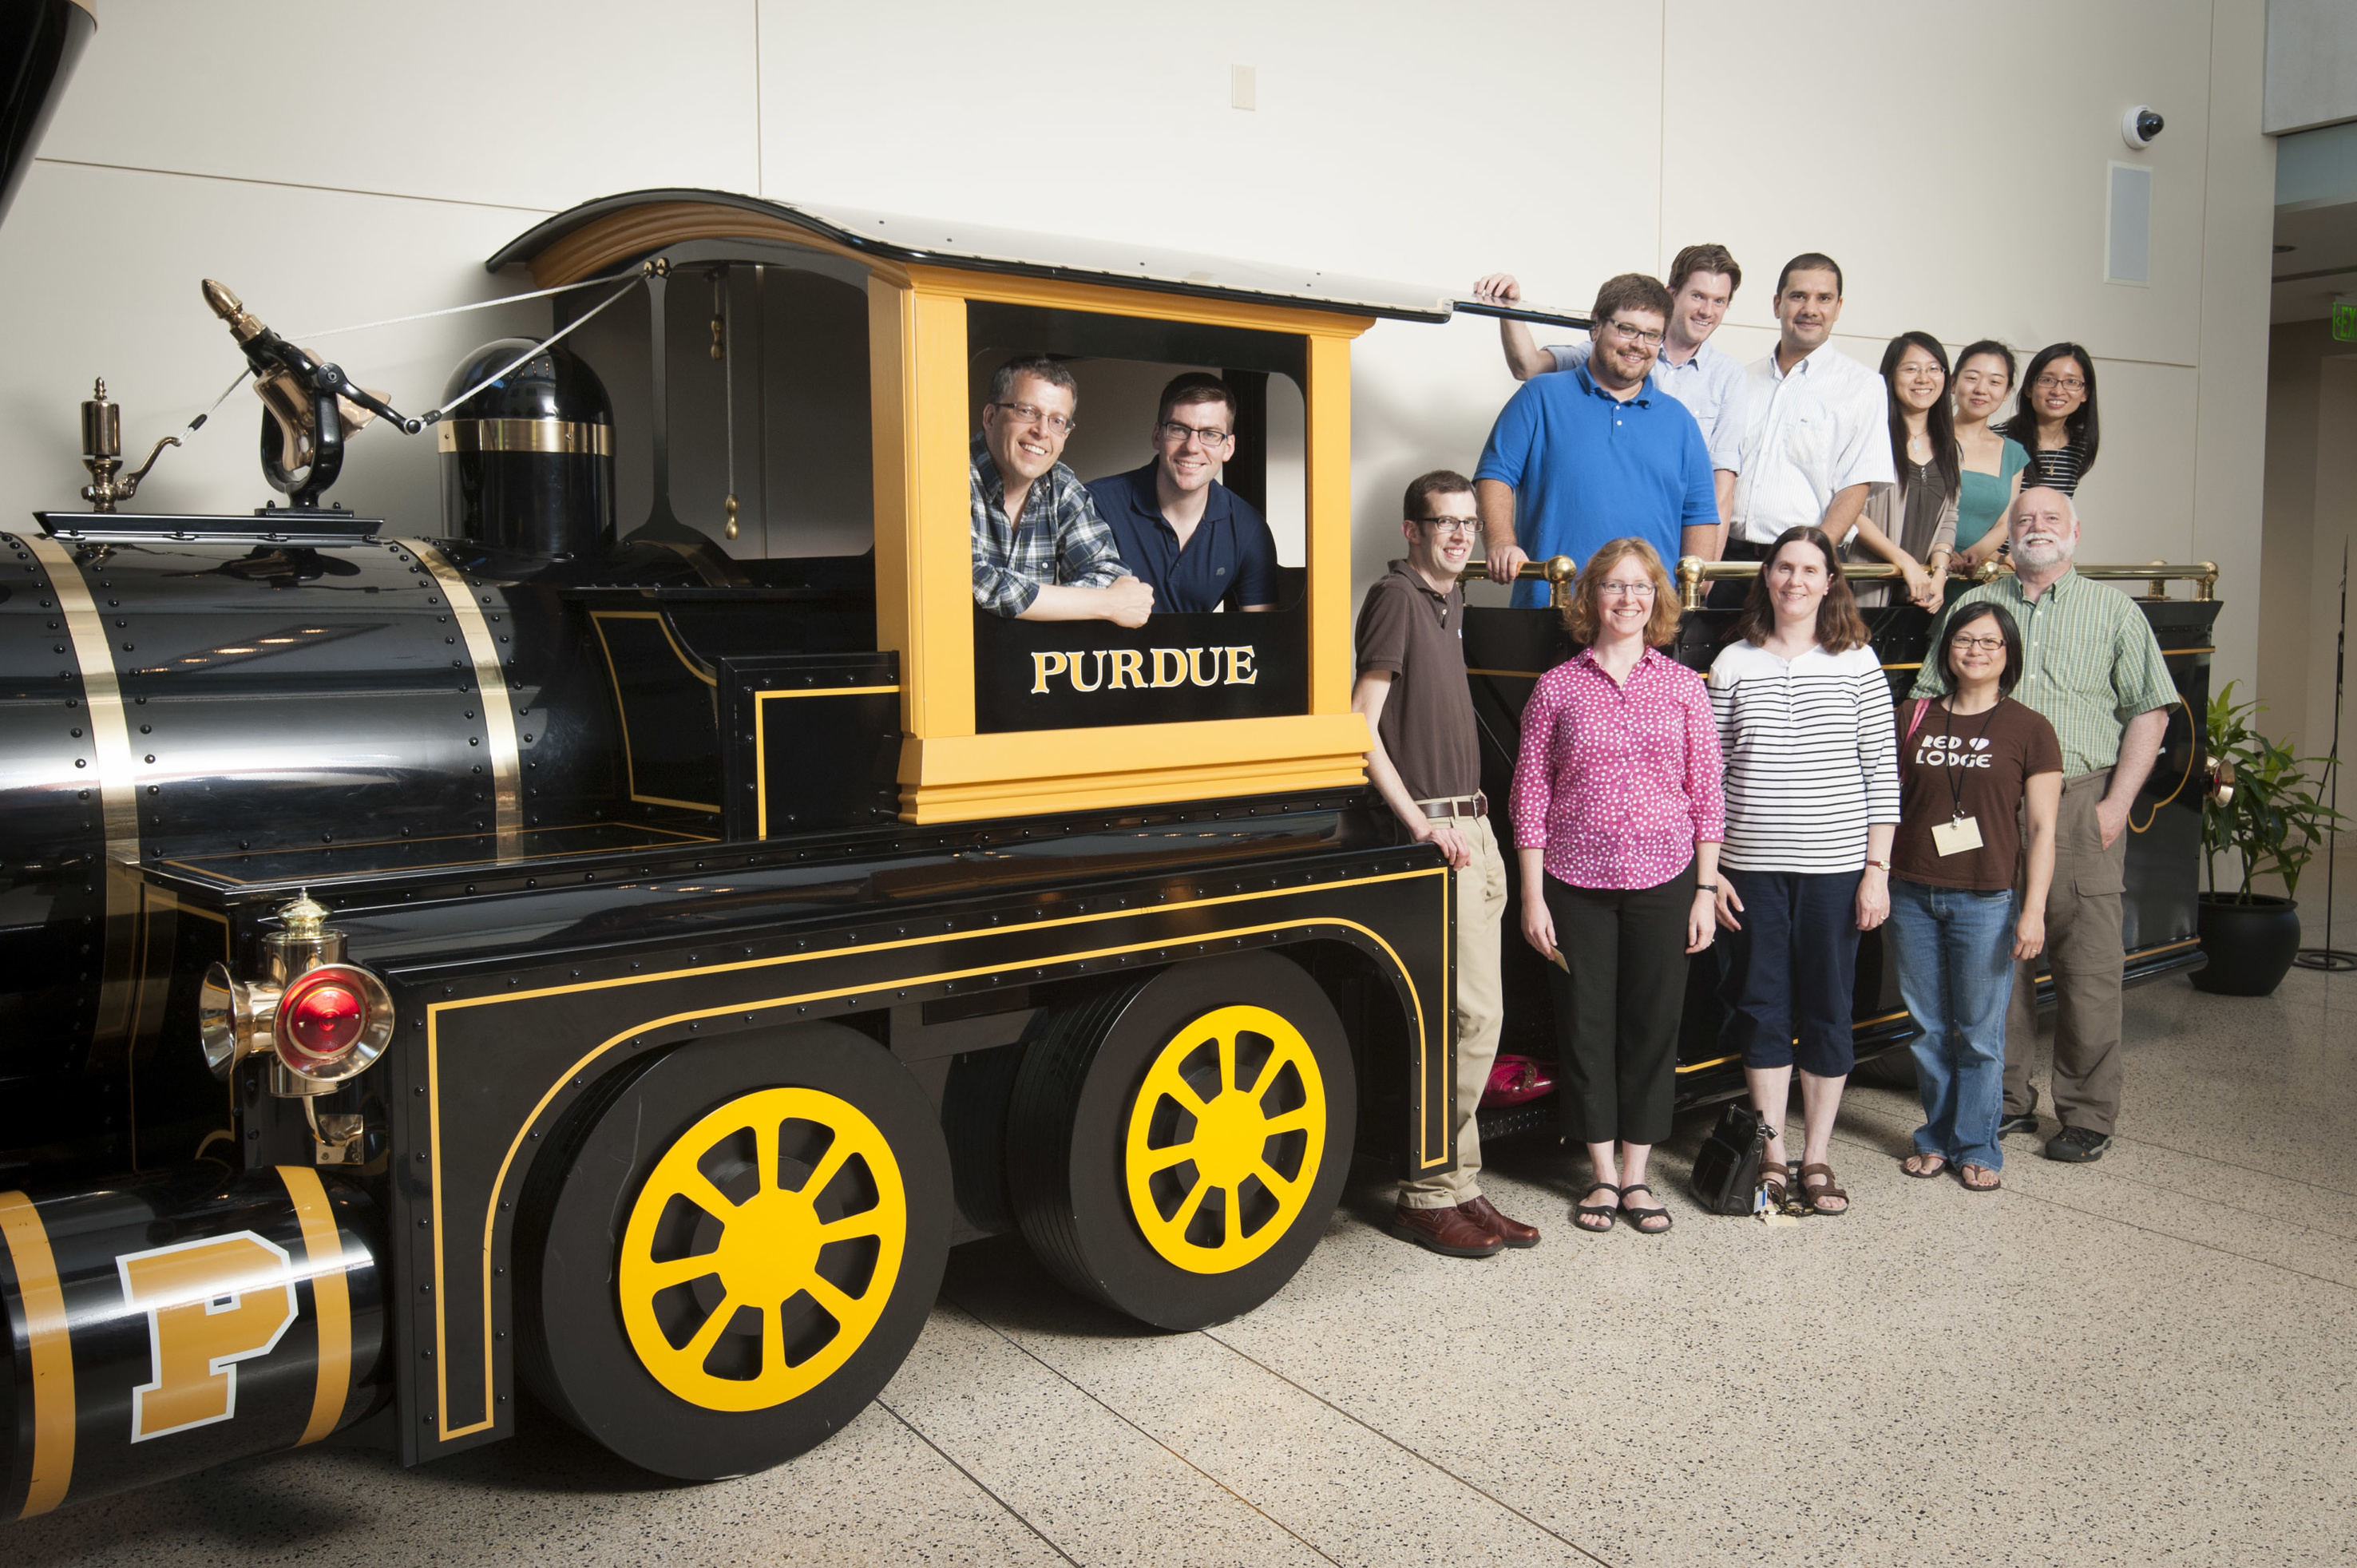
(1812, 757)
(2090, 662)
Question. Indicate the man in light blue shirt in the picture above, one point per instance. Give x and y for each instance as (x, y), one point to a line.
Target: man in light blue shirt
(1599, 453)
(1709, 381)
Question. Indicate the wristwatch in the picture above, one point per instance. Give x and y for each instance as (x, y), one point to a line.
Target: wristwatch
(1705, 886)
(1879, 865)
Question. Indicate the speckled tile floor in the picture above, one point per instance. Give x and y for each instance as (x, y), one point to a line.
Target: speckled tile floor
(2149, 1361)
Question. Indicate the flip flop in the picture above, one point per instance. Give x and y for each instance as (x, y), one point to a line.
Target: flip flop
(1965, 1178)
(1906, 1167)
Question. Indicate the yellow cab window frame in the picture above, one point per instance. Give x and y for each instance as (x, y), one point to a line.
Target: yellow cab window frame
(924, 584)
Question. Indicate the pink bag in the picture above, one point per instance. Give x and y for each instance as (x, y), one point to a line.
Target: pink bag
(1514, 1080)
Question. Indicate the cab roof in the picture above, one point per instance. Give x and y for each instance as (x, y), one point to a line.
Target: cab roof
(898, 238)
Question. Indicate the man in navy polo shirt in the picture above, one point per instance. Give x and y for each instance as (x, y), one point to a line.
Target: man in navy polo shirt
(1597, 453)
(1195, 541)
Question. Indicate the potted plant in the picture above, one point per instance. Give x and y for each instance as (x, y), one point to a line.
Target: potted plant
(2272, 822)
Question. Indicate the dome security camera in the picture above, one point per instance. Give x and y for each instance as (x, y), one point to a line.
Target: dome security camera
(2140, 125)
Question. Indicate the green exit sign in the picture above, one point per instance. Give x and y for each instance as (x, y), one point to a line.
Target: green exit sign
(2344, 322)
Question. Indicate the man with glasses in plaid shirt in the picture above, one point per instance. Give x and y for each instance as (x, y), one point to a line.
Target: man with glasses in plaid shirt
(1040, 550)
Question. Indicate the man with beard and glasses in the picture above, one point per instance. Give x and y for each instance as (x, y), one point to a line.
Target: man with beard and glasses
(2091, 666)
(1598, 453)
(1706, 379)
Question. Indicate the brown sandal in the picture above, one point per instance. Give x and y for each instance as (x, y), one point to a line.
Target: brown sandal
(1773, 1176)
(1815, 1196)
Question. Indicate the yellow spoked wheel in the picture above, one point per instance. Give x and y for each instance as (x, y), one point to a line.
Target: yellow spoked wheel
(1224, 1139)
(762, 1249)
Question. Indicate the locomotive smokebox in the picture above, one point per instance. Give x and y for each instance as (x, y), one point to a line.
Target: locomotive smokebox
(528, 462)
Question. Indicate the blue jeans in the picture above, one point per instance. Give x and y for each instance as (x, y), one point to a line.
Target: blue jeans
(1954, 950)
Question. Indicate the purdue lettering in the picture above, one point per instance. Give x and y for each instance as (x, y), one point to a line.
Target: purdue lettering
(1125, 668)
(209, 1305)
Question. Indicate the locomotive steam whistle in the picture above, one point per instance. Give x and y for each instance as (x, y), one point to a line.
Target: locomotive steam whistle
(101, 452)
(309, 406)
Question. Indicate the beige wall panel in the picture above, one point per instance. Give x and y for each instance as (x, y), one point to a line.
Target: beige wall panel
(1962, 193)
(1389, 141)
(533, 103)
(127, 307)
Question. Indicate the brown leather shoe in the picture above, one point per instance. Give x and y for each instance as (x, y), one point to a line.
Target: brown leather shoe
(1512, 1232)
(1451, 1232)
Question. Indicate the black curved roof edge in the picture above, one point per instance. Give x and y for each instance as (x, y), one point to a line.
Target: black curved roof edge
(1026, 254)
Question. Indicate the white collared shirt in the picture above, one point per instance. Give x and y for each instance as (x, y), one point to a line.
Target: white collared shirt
(1710, 385)
(1808, 433)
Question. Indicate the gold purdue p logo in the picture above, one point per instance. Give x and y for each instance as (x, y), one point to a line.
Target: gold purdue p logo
(211, 1303)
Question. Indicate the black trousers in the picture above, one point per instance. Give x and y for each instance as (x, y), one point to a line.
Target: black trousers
(1616, 1012)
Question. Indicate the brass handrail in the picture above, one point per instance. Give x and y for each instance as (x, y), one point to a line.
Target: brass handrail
(1692, 572)
(1559, 572)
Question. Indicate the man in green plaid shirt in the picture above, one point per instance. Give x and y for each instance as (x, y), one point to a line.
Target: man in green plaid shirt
(2092, 666)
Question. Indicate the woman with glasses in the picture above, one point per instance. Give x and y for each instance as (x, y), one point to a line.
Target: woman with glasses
(2055, 419)
(1803, 713)
(1976, 769)
(1990, 463)
(1914, 519)
(1616, 816)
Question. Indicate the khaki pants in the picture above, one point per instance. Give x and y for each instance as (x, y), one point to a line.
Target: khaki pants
(2085, 953)
(1481, 1010)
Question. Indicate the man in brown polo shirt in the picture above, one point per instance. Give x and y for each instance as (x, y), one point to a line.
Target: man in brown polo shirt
(1427, 764)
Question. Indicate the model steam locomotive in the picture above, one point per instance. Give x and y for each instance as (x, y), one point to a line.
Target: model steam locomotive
(445, 959)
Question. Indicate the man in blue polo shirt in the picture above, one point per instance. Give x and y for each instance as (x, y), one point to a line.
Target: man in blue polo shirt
(1195, 541)
(1597, 453)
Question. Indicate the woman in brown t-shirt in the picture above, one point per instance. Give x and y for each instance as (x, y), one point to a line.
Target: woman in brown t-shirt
(1973, 767)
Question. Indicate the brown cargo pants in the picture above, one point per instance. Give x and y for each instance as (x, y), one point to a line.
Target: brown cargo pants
(2084, 950)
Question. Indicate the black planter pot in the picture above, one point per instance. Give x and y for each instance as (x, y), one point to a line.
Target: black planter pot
(2250, 945)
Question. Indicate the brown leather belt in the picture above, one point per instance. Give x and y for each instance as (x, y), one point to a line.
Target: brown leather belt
(1474, 805)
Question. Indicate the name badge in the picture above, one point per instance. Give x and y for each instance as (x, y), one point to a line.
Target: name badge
(1957, 837)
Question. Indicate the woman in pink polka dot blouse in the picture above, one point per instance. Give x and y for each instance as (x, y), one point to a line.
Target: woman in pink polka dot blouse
(1617, 816)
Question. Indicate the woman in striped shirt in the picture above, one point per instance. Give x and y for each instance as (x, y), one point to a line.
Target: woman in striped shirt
(2055, 418)
(1805, 722)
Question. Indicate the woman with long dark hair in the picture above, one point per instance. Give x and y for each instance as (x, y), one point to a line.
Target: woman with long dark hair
(2055, 419)
(1914, 519)
(1616, 816)
(1991, 463)
(1976, 769)
(1804, 714)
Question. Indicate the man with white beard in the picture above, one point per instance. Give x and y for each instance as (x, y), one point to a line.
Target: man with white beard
(2091, 667)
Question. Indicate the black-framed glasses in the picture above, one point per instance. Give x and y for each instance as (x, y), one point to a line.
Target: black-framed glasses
(1457, 527)
(1173, 431)
(1981, 644)
(2060, 383)
(1030, 414)
(1629, 334)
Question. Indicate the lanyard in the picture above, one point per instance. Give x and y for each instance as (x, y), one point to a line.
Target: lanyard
(1955, 773)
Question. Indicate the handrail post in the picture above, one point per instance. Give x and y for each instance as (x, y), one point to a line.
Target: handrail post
(1690, 582)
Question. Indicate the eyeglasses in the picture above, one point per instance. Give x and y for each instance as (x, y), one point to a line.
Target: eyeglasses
(2060, 383)
(1980, 644)
(1629, 334)
(1027, 413)
(1455, 527)
(1625, 590)
(1174, 431)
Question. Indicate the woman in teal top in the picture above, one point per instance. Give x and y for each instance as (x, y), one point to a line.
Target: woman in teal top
(1991, 463)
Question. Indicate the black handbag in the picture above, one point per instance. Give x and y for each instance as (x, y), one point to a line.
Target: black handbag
(1727, 1166)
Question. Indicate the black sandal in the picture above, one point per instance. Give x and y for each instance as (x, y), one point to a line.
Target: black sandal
(1611, 1211)
(1636, 1216)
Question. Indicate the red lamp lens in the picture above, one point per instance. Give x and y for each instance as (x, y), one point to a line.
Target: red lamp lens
(324, 1020)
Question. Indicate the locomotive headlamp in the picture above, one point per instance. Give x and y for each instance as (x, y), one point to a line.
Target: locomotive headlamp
(324, 1020)
(331, 1023)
